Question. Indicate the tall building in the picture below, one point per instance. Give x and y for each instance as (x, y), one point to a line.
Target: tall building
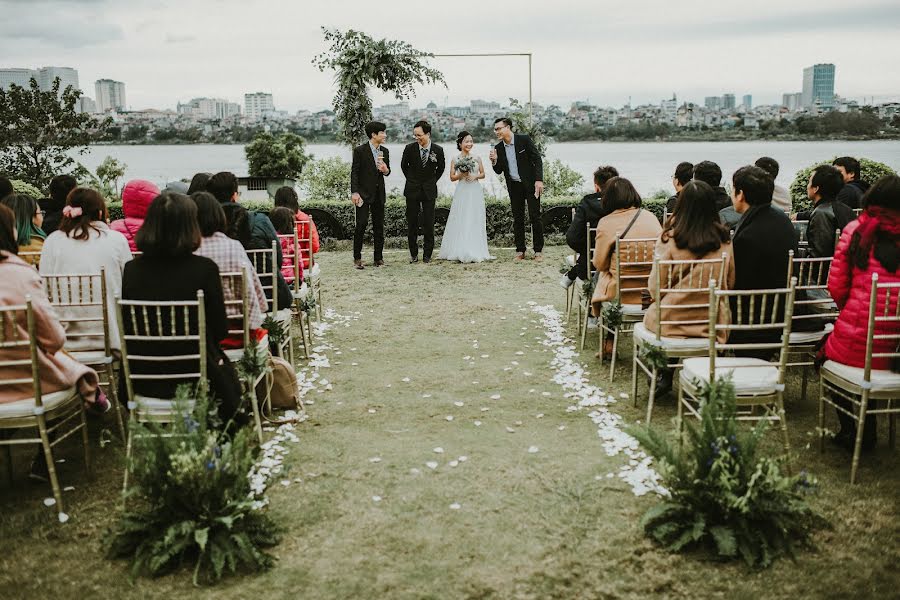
(728, 101)
(484, 107)
(86, 105)
(110, 95)
(748, 101)
(67, 77)
(713, 102)
(210, 108)
(792, 101)
(818, 86)
(669, 109)
(258, 105)
(20, 77)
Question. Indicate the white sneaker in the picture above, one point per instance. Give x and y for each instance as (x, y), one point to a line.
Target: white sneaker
(592, 322)
(570, 260)
(565, 282)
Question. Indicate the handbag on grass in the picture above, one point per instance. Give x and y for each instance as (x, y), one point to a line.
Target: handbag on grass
(284, 393)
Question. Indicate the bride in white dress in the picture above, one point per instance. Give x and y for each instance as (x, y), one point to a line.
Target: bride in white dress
(465, 237)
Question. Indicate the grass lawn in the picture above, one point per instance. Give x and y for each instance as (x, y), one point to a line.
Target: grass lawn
(504, 523)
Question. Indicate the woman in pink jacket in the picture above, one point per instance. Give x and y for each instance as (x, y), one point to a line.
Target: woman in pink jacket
(868, 245)
(58, 371)
(136, 198)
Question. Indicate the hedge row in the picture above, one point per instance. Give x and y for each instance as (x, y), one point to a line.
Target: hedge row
(336, 220)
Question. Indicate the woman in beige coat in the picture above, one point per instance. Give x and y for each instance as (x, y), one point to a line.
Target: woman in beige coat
(627, 221)
(694, 232)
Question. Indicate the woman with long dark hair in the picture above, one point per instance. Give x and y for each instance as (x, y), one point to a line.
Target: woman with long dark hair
(870, 244)
(29, 218)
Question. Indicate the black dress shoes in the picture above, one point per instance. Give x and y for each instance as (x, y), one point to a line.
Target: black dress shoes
(426, 260)
(413, 259)
(359, 264)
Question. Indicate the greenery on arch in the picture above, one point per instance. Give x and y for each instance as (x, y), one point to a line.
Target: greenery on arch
(361, 62)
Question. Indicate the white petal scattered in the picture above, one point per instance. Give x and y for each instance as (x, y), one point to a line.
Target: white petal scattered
(69, 488)
(495, 397)
(405, 380)
(463, 458)
(485, 409)
(285, 482)
(561, 427)
(371, 411)
(354, 364)
(426, 395)
(49, 501)
(623, 396)
(477, 423)
(415, 471)
(449, 417)
(519, 353)
(375, 459)
(519, 423)
(510, 430)
(485, 356)
(438, 450)
(455, 506)
(458, 403)
(474, 383)
(453, 463)
(533, 450)
(546, 394)
(527, 373)
(376, 498)
(539, 416)
(432, 464)
(63, 517)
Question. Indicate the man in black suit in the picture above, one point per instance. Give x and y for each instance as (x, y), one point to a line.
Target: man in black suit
(422, 164)
(371, 164)
(518, 159)
(590, 210)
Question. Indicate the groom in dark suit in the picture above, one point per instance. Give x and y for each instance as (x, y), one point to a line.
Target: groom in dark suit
(518, 159)
(422, 165)
(371, 164)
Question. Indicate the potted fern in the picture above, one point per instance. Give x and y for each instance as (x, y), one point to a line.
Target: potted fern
(722, 495)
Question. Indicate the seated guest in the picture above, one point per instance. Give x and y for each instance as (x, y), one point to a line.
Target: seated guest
(84, 244)
(6, 187)
(683, 173)
(229, 255)
(60, 186)
(590, 210)
(710, 173)
(198, 183)
(169, 270)
(57, 370)
(306, 227)
(626, 220)
(761, 244)
(854, 187)
(29, 218)
(780, 196)
(136, 198)
(283, 220)
(828, 213)
(868, 245)
(693, 233)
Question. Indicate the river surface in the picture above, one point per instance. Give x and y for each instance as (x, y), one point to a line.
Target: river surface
(649, 165)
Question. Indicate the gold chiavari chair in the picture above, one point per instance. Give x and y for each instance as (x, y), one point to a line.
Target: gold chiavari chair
(312, 275)
(301, 292)
(265, 263)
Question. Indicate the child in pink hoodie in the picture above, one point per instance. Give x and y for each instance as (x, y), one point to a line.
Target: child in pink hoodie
(136, 198)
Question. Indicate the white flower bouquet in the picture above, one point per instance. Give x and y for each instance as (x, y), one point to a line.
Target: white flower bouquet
(466, 164)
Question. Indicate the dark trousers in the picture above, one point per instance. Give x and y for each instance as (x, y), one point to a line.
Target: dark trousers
(580, 268)
(415, 202)
(518, 197)
(362, 220)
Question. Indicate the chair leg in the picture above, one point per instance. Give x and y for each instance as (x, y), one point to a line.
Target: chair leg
(782, 419)
(634, 359)
(615, 351)
(803, 378)
(892, 430)
(303, 335)
(128, 449)
(7, 450)
(113, 394)
(584, 333)
(821, 414)
(857, 446)
(680, 418)
(85, 439)
(652, 392)
(254, 404)
(51, 465)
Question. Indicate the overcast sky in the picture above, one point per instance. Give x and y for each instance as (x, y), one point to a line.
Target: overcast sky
(174, 50)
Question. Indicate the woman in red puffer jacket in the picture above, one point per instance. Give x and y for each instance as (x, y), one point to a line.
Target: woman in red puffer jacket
(868, 245)
(136, 198)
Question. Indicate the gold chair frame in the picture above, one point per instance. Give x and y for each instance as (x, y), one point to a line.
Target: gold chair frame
(859, 394)
(298, 292)
(47, 420)
(312, 276)
(584, 301)
(259, 260)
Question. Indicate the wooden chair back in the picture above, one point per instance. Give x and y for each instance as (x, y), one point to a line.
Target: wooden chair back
(237, 303)
(686, 277)
(634, 260)
(265, 262)
(812, 300)
(303, 229)
(886, 320)
(81, 298)
(296, 259)
(13, 341)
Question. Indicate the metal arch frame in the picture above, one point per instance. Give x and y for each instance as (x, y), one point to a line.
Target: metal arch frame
(495, 54)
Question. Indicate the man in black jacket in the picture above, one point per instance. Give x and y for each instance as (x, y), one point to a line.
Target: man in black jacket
(828, 213)
(590, 210)
(710, 172)
(60, 186)
(854, 187)
(761, 243)
(518, 159)
(683, 173)
(422, 164)
(371, 164)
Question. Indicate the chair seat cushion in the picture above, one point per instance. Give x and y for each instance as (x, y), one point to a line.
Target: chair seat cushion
(284, 316)
(751, 376)
(235, 354)
(313, 273)
(644, 335)
(810, 337)
(150, 406)
(882, 381)
(25, 408)
(632, 309)
(91, 357)
(302, 292)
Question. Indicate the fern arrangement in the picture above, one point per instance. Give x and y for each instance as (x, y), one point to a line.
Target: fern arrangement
(612, 314)
(722, 495)
(308, 304)
(191, 502)
(275, 330)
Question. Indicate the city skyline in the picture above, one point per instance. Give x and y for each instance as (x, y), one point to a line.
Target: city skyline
(169, 52)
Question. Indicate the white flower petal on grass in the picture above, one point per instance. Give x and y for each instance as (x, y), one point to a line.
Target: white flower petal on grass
(375, 459)
(477, 423)
(455, 506)
(415, 471)
(69, 488)
(458, 403)
(405, 380)
(485, 356)
(519, 423)
(63, 517)
(623, 396)
(285, 482)
(355, 364)
(485, 409)
(463, 458)
(495, 397)
(539, 416)
(514, 363)
(561, 427)
(474, 383)
(449, 417)
(426, 395)
(510, 430)
(372, 411)
(546, 394)
(520, 353)
(453, 463)
(533, 450)
(376, 498)
(432, 464)
(438, 450)
(527, 373)
(49, 501)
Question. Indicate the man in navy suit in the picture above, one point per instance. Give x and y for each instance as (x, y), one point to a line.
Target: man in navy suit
(422, 164)
(518, 159)
(371, 164)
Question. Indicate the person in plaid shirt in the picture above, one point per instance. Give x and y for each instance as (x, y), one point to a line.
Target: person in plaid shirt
(229, 255)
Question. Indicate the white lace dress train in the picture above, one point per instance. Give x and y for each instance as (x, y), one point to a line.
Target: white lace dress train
(465, 237)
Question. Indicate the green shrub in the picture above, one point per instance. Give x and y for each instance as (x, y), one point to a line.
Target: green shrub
(561, 180)
(23, 187)
(870, 171)
(192, 500)
(722, 496)
(326, 179)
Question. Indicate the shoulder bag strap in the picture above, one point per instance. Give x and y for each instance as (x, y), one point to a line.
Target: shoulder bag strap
(630, 223)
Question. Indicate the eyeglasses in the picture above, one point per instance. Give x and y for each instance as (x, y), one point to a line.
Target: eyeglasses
(41, 212)
(500, 128)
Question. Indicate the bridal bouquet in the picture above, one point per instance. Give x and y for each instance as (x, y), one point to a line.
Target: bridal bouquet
(466, 164)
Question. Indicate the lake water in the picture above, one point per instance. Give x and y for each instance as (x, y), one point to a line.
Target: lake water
(649, 165)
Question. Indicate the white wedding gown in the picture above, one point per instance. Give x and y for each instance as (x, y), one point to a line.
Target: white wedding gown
(465, 237)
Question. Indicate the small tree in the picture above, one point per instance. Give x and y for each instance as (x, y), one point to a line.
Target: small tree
(525, 124)
(361, 62)
(281, 157)
(108, 173)
(326, 179)
(561, 180)
(37, 129)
